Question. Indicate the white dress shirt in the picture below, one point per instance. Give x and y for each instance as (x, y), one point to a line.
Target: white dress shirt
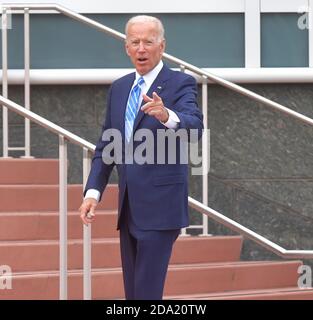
(171, 123)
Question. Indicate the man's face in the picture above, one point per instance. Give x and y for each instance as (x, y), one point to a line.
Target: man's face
(143, 46)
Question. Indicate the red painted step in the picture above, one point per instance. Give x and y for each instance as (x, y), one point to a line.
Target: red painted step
(45, 225)
(23, 198)
(181, 280)
(232, 276)
(29, 171)
(292, 293)
(44, 255)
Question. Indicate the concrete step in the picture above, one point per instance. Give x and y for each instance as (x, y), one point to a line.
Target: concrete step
(45, 225)
(292, 293)
(30, 198)
(24, 256)
(181, 280)
(232, 276)
(29, 171)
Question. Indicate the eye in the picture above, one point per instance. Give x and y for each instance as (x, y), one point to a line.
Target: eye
(135, 43)
(149, 43)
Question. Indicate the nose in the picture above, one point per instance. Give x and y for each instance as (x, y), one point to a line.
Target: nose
(141, 46)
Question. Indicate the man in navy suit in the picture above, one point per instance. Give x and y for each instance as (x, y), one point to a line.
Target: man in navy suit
(153, 197)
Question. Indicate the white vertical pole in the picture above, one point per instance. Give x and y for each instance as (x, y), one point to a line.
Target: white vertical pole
(27, 80)
(183, 230)
(5, 124)
(87, 233)
(63, 216)
(205, 154)
(252, 34)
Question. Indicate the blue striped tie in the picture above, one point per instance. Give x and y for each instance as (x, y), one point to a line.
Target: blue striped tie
(132, 108)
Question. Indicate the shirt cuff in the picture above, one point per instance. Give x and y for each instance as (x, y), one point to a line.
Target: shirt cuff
(92, 193)
(173, 120)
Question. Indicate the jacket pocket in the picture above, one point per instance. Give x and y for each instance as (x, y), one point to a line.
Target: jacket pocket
(161, 181)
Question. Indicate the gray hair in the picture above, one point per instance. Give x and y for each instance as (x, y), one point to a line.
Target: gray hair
(143, 19)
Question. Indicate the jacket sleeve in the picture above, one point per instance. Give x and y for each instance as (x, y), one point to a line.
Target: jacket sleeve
(186, 107)
(100, 171)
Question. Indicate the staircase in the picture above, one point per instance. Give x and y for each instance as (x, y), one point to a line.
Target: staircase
(200, 268)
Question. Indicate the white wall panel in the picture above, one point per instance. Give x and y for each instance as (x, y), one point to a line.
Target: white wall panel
(284, 5)
(164, 6)
(143, 6)
(252, 34)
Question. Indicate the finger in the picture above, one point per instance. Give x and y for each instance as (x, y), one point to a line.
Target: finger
(90, 215)
(84, 220)
(146, 98)
(87, 213)
(151, 105)
(147, 106)
(156, 98)
(82, 211)
(91, 210)
(87, 218)
(155, 113)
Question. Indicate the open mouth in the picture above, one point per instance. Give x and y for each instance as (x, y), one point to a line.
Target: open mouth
(142, 59)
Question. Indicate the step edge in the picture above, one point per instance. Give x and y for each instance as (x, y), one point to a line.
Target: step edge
(37, 242)
(242, 293)
(172, 267)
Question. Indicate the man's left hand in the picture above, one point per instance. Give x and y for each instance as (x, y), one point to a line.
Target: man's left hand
(154, 107)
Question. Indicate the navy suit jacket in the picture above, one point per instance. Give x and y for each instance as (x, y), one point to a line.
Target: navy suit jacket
(157, 193)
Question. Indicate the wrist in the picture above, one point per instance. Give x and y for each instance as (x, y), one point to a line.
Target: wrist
(166, 116)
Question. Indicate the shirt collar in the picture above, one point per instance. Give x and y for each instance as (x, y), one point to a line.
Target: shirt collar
(151, 75)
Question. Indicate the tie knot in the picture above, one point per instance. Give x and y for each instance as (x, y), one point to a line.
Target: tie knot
(140, 81)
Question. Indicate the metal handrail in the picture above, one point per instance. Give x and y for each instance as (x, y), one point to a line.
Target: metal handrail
(262, 241)
(218, 217)
(88, 149)
(184, 64)
(52, 127)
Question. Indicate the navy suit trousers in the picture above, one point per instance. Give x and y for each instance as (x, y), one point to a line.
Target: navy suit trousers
(145, 257)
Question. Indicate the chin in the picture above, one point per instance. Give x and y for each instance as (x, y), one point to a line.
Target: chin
(142, 71)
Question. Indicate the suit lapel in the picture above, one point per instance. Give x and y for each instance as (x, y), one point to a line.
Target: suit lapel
(157, 86)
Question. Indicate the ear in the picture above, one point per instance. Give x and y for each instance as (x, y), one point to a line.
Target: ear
(163, 45)
(127, 48)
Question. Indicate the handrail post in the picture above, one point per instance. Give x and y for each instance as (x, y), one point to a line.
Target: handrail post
(183, 230)
(205, 154)
(5, 124)
(87, 232)
(63, 215)
(27, 79)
